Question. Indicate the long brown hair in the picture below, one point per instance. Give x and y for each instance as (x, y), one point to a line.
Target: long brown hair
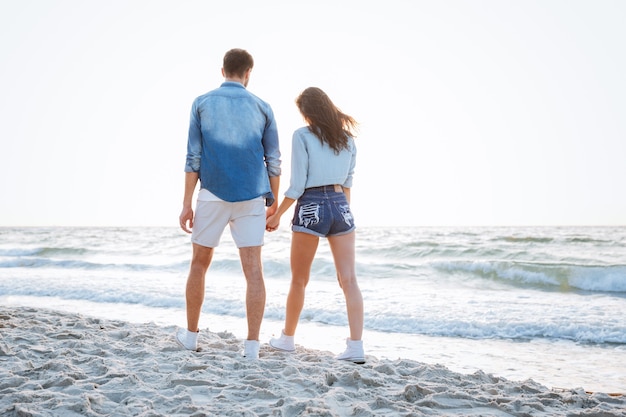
(325, 120)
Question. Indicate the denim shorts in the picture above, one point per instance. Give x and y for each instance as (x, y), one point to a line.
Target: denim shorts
(323, 212)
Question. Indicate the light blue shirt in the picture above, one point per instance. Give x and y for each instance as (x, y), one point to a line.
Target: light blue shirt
(233, 144)
(314, 163)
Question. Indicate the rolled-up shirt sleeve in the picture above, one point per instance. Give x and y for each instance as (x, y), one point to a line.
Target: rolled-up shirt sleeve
(271, 147)
(299, 167)
(194, 142)
(348, 182)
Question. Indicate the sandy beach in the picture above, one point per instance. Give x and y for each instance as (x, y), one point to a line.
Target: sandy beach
(61, 364)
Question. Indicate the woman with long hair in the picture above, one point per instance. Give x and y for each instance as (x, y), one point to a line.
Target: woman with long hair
(322, 165)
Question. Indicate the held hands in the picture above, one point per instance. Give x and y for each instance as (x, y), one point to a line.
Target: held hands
(186, 219)
(272, 222)
(272, 218)
(273, 214)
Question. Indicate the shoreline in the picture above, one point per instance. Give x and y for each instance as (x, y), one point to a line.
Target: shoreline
(60, 363)
(554, 364)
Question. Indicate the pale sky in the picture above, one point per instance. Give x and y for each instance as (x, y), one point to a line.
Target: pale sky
(486, 112)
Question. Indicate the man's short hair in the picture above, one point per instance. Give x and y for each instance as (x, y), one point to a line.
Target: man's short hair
(237, 62)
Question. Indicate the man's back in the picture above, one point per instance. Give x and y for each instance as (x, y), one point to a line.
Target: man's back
(233, 141)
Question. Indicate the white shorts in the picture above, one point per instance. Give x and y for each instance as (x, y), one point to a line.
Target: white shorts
(246, 220)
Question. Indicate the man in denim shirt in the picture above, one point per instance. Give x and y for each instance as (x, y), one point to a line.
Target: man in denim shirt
(233, 151)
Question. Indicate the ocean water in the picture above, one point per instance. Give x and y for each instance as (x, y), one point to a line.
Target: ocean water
(544, 303)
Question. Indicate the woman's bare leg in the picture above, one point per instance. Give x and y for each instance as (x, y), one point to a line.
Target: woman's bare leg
(342, 248)
(303, 248)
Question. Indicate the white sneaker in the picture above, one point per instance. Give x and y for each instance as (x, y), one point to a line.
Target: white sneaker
(251, 349)
(283, 342)
(354, 352)
(187, 339)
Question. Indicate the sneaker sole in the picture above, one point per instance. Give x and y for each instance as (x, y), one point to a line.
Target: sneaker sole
(183, 346)
(358, 361)
(281, 349)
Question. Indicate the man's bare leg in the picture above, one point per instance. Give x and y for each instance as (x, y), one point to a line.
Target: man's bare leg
(200, 261)
(255, 289)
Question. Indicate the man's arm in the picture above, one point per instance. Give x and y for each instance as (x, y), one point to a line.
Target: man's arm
(275, 186)
(271, 155)
(186, 215)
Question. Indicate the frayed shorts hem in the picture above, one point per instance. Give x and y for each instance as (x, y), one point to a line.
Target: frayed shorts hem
(302, 229)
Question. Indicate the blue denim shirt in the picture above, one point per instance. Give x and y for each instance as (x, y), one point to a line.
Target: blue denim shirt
(233, 144)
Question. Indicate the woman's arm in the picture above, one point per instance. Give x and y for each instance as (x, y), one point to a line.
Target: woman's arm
(274, 220)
